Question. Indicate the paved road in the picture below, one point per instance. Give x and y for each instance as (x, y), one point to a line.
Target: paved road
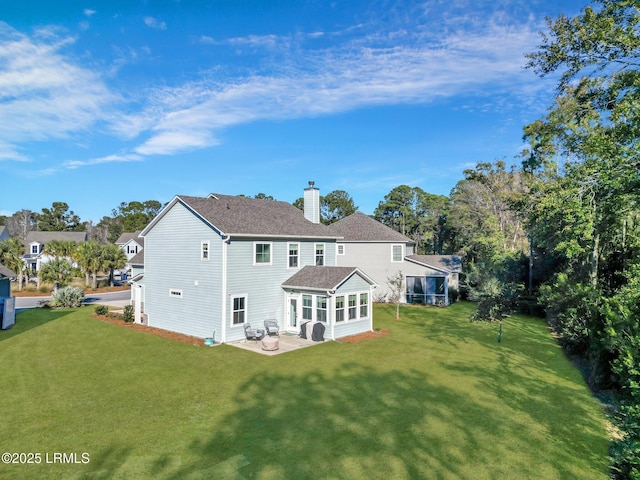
(117, 299)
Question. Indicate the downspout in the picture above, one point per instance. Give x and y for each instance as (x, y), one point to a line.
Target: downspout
(225, 244)
(331, 309)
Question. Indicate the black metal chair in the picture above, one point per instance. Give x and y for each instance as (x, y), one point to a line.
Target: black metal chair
(272, 328)
(253, 334)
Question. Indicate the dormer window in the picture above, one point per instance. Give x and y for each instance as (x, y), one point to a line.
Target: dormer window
(35, 248)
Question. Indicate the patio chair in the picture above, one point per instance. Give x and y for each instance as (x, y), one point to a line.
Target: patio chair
(271, 327)
(253, 334)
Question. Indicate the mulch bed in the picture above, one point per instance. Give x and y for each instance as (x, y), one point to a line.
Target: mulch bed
(178, 337)
(199, 342)
(362, 337)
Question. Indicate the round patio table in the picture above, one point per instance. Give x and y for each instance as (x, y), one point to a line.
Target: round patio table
(270, 343)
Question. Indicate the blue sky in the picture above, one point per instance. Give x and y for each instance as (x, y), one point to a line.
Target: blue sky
(109, 101)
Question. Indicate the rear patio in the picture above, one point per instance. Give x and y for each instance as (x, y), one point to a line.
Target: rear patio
(288, 343)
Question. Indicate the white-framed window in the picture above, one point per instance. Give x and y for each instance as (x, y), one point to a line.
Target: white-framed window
(204, 250)
(364, 305)
(340, 247)
(307, 307)
(238, 310)
(396, 253)
(321, 309)
(319, 253)
(353, 301)
(34, 248)
(340, 309)
(175, 292)
(262, 253)
(294, 254)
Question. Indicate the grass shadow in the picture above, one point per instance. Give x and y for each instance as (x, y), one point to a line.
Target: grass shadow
(27, 320)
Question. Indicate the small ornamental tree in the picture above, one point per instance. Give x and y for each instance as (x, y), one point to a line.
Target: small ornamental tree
(67, 297)
(396, 286)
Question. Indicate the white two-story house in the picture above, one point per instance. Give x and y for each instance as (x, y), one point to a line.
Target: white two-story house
(217, 263)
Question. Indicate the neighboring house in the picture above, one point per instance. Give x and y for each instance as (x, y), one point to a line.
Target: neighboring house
(7, 302)
(4, 233)
(218, 263)
(132, 245)
(382, 252)
(35, 242)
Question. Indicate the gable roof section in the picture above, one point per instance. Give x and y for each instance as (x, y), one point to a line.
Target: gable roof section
(137, 259)
(128, 236)
(250, 217)
(5, 272)
(359, 227)
(323, 278)
(447, 263)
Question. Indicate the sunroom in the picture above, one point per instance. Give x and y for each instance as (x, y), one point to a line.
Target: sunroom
(339, 298)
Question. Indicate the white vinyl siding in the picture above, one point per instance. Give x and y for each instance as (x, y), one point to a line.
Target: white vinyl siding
(172, 262)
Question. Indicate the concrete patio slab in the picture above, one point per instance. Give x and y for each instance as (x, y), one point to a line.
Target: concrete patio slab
(288, 343)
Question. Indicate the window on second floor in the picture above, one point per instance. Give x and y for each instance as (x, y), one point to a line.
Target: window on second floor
(396, 253)
(293, 255)
(262, 254)
(319, 253)
(35, 248)
(204, 250)
(340, 249)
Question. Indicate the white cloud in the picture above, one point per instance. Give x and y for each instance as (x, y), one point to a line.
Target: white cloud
(88, 12)
(363, 72)
(154, 23)
(44, 94)
(120, 158)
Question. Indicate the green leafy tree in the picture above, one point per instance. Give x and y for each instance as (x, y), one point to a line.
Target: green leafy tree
(58, 218)
(335, 206)
(136, 215)
(416, 214)
(60, 248)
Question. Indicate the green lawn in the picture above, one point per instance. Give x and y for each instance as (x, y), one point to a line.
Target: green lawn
(436, 398)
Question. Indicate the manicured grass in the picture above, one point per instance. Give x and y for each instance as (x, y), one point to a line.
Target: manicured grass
(436, 398)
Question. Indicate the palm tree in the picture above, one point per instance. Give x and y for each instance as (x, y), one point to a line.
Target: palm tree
(59, 271)
(60, 248)
(11, 251)
(112, 257)
(87, 256)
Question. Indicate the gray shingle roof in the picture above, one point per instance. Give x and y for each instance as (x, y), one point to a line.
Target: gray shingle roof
(137, 259)
(319, 278)
(359, 227)
(451, 263)
(127, 236)
(44, 237)
(235, 215)
(5, 272)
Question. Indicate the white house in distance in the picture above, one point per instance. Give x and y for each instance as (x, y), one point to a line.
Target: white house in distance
(35, 257)
(221, 262)
(130, 243)
(382, 252)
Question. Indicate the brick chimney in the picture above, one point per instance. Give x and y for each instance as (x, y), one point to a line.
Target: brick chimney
(312, 203)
